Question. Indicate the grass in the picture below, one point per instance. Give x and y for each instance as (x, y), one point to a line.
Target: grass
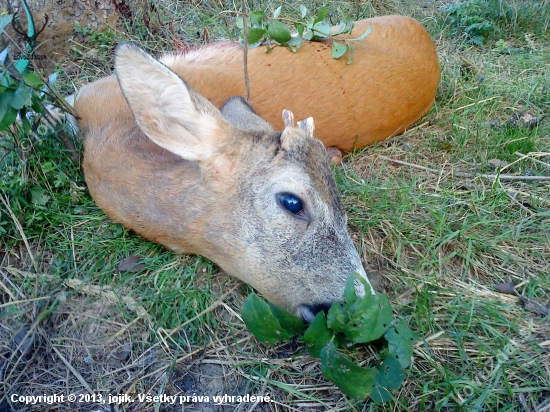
(423, 208)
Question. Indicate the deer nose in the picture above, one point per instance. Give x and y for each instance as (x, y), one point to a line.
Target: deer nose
(308, 312)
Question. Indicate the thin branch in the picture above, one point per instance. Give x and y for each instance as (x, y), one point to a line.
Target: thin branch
(471, 175)
(59, 99)
(72, 369)
(245, 51)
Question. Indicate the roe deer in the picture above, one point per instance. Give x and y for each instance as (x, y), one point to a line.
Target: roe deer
(261, 204)
(390, 85)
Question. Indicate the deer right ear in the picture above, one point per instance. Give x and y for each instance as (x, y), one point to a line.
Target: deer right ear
(239, 113)
(307, 125)
(166, 109)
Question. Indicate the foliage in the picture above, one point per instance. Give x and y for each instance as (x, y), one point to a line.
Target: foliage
(261, 29)
(481, 20)
(102, 39)
(25, 128)
(359, 320)
(16, 95)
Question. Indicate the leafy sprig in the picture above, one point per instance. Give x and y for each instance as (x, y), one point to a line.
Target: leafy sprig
(275, 30)
(359, 320)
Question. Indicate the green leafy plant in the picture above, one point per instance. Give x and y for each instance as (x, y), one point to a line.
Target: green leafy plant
(360, 320)
(15, 95)
(478, 19)
(275, 30)
(101, 39)
(27, 130)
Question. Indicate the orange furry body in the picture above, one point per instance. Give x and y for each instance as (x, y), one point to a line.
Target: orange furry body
(390, 85)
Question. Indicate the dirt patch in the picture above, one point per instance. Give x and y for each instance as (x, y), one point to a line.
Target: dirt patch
(77, 339)
(62, 19)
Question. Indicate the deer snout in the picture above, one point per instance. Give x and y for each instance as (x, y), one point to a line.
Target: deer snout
(308, 312)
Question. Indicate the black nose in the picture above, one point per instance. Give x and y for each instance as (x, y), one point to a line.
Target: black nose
(308, 312)
(315, 309)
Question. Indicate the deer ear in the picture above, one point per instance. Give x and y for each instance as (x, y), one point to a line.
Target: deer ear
(288, 118)
(239, 113)
(169, 111)
(307, 126)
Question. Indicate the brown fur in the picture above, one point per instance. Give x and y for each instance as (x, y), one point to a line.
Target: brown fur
(176, 171)
(389, 86)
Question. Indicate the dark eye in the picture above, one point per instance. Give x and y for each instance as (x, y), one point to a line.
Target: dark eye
(291, 203)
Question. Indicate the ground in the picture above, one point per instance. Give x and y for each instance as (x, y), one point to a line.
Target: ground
(451, 218)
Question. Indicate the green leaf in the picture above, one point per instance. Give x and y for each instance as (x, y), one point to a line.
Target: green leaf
(321, 29)
(365, 34)
(39, 196)
(338, 49)
(255, 35)
(318, 335)
(21, 65)
(299, 28)
(21, 97)
(351, 51)
(239, 22)
(371, 318)
(4, 21)
(349, 291)
(390, 377)
(8, 119)
(5, 100)
(290, 323)
(260, 321)
(278, 31)
(37, 107)
(323, 12)
(346, 26)
(33, 80)
(256, 17)
(277, 12)
(25, 124)
(303, 10)
(353, 380)
(361, 319)
(295, 43)
(338, 317)
(400, 340)
(3, 55)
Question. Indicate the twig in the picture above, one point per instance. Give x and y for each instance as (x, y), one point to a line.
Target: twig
(20, 302)
(262, 391)
(64, 106)
(245, 51)
(473, 104)
(73, 370)
(532, 155)
(471, 175)
(513, 199)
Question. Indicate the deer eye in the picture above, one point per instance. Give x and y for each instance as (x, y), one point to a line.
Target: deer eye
(291, 203)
